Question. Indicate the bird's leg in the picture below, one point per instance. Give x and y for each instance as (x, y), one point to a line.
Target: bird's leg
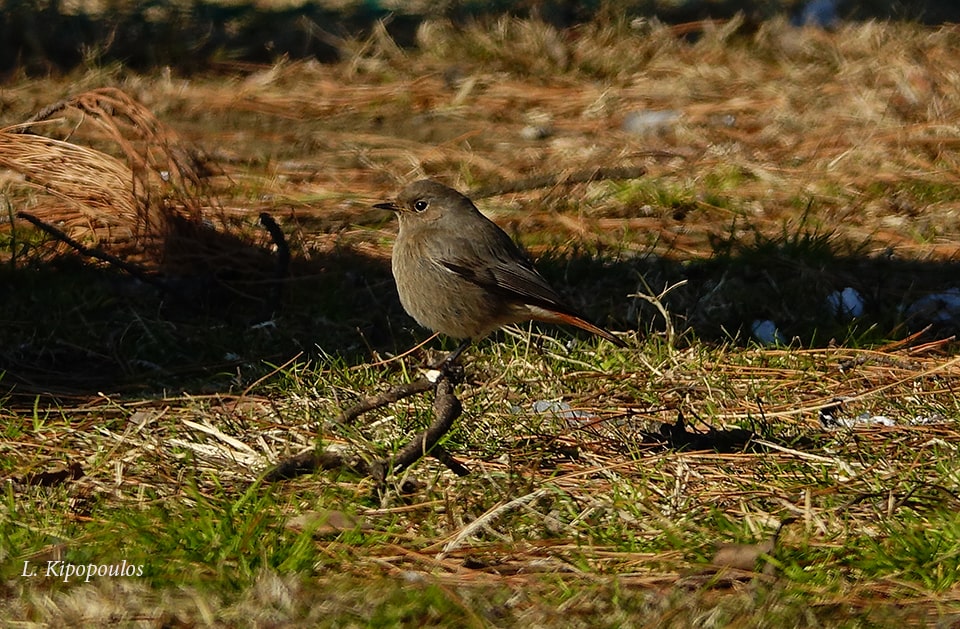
(454, 356)
(449, 365)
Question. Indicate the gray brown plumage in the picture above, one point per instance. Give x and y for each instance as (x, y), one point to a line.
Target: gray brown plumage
(459, 274)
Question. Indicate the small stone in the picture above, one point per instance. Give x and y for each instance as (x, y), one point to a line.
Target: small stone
(536, 132)
(765, 332)
(846, 304)
(650, 122)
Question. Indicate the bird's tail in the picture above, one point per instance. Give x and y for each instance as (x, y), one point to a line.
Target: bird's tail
(552, 316)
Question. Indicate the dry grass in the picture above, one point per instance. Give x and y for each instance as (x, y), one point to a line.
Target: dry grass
(125, 204)
(800, 162)
(551, 502)
(854, 121)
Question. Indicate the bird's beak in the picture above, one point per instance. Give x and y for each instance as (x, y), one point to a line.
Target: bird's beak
(389, 205)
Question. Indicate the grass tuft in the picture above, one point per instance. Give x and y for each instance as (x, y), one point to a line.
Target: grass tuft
(606, 485)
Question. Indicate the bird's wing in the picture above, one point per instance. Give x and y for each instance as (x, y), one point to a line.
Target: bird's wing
(506, 271)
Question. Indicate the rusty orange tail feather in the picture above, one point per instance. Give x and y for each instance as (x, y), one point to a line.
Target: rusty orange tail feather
(583, 324)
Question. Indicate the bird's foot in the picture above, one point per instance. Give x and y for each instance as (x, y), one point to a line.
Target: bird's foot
(452, 371)
(447, 369)
(449, 366)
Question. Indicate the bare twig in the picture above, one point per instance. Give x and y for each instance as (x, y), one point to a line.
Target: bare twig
(382, 399)
(112, 260)
(283, 259)
(443, 455)
(447, 409)
(309, 462)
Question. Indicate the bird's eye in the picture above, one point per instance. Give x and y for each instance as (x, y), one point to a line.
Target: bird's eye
(420, 205)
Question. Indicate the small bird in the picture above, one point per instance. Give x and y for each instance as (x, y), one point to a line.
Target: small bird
(461, 275)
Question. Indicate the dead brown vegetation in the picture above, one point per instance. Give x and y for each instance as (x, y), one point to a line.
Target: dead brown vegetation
(777, 132)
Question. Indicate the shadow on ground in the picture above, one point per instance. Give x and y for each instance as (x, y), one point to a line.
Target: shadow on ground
(73, 329)
(39, 38)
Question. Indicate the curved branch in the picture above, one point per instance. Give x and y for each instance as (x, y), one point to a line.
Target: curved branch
(446, 409)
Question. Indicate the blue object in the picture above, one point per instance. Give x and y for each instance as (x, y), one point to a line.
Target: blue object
(822, 13)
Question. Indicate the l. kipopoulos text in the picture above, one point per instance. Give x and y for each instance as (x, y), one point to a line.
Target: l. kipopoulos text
(66, 571)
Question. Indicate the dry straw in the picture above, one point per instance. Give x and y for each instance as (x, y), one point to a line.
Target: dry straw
(127, 197)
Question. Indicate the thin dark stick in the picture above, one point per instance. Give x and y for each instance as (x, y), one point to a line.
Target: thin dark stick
(443, 455)
(311, 461)
(112, 260)
(447, 409)
(549, 181)
(283, 259)
(387, 397)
